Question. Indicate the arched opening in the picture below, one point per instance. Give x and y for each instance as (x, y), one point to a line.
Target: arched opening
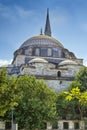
(59, 73)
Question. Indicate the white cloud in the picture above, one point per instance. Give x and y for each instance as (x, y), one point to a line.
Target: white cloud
(5, 62)
(14, 13)
(60, 18)
(6, 12)
(23, 12)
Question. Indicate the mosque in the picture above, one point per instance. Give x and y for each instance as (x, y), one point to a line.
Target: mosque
(46, 58)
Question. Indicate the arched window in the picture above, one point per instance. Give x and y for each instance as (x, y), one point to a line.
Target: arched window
(59, 74)
(43, 51)
(49, 53)
(63, 54)
(37, 52)
(55, 52)
(28, 51)
(59, 53)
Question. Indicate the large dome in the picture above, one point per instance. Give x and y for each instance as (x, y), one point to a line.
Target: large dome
(43, 46)
(41, 40)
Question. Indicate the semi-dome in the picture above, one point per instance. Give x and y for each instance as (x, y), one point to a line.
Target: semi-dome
(38, 60)
(67, 62)
(41, 40)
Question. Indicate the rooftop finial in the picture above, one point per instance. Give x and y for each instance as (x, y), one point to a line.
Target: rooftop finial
(47, 26)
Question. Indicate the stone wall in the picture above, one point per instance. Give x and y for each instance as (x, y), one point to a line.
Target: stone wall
(2, 125)
(49, 72)
(58, 85)
(20, 59)
(68, 125)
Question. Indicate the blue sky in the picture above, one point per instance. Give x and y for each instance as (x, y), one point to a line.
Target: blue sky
(22, 19)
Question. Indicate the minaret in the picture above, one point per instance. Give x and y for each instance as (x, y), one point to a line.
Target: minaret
(47, 26)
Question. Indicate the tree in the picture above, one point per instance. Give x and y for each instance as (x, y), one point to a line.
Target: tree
(37, 105)
(65, 109)
(9, 94)
(73, 103)
(81, 100)
(81, 80)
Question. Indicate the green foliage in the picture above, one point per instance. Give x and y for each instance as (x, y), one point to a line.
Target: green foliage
(37, 104)
(81, 80)
(76, 94)
(9, 94)
(73, 102)
(65, 108)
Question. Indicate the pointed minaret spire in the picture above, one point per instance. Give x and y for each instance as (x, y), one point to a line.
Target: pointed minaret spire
(47, 26)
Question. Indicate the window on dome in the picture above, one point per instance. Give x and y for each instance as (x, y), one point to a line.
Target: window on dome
(43, 51)
(28, 51)
(20, 51)
(37, 52)
(59, 53)
(55, 52)
(63, 54)
(49, 52)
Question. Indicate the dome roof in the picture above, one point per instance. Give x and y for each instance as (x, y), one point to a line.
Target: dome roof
(38, 60)
(41, 40)
(67, 62)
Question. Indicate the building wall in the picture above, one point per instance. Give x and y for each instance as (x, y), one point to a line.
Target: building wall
(19, 59)
(58, 85)
(49, 72)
